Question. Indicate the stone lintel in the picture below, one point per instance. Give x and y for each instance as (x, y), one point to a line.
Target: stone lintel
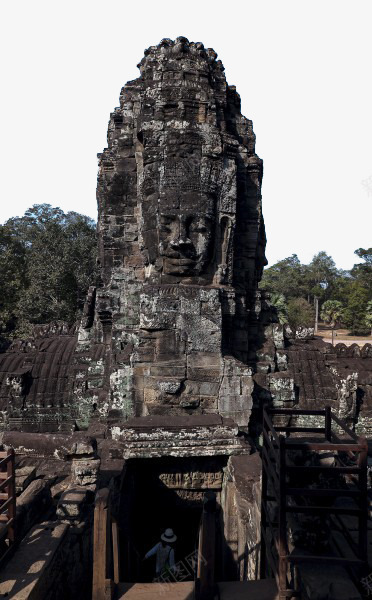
(50, 445)
(196, 435)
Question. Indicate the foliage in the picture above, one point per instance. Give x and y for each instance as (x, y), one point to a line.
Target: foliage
(286, 277)
(12, 275)
(320, 276)
(368, 317)
(355, 310)
(300, 313)
(47, 262)
(362, 272)
(321, 279)
(292, 279)
(331, 312)
(278, 301)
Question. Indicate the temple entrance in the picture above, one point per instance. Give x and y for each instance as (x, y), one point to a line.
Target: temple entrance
(163, 493)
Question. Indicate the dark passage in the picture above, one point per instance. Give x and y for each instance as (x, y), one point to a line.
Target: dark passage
(151, 503)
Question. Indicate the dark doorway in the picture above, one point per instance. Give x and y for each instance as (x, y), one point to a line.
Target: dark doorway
(151, 502)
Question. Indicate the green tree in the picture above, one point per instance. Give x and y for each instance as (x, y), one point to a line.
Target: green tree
(362, 272)
(300, 313)
(285, 278)
(321, 273)
(368, 317)
(331, 313)
(278, 301)
(12, 276)
(355, 310)
(355, 291)
(320, 277)
(59, 262)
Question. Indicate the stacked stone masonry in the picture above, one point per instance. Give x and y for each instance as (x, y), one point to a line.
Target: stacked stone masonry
(177, 350)
(177, 325)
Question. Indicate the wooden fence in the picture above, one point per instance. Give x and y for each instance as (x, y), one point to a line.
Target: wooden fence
(7, 502)
(350, 455)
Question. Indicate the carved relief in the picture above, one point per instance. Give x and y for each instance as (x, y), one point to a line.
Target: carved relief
(192, 480)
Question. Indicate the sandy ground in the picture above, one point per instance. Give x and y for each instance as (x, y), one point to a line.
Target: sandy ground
(342, 336)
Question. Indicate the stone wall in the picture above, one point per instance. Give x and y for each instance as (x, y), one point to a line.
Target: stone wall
(174, 322)
(181, 242)
(241, 518)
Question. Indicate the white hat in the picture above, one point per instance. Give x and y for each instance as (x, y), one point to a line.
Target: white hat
(168, 536)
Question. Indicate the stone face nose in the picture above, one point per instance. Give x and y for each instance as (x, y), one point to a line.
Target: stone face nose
(182, 244)
(181, 241)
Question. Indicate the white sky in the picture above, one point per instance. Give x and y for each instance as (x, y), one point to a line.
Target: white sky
(302, 68)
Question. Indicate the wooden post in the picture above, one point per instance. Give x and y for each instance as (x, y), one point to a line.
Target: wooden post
(115, 551)
(263, 513)
(206, 553)
(101, 546)
(328, 424)
(10, 468)
(282, 567)
(316, 301)
(363, 516)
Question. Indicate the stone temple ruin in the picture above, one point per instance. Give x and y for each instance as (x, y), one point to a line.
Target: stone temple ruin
(159, 392)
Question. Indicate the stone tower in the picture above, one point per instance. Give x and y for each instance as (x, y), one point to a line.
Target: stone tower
(176, 325)
(181, 243)
(175, 322)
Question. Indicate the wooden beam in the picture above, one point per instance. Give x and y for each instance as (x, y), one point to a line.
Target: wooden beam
(11, 503)
(207, 542)
(115, 551)
(282, 541)
(101, 589)
(363, 502)
(294, 411)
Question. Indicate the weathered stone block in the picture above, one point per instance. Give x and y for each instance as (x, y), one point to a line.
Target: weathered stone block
(72, 503)
(23, 477)
(85, 472)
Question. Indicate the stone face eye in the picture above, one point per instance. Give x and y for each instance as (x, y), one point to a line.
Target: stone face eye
(198, 226)
(167, 223)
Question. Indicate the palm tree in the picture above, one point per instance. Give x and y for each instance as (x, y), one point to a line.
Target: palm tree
(331, 312)
(278, 301)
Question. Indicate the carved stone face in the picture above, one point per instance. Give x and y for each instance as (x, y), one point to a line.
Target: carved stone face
(179, 215)
(186, 232)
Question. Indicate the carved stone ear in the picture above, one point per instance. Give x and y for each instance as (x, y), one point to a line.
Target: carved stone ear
(223, 251)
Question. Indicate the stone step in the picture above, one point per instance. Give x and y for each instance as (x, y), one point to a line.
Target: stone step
(23, 477)
(230, 590)
(30, 572)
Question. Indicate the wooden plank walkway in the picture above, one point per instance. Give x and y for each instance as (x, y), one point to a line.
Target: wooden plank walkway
(151, 591)
(232, 590)
(264, 589)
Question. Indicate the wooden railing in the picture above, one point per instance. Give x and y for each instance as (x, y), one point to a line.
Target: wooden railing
(106, 556)
(205, 580)
(7, 500)
(105, 548)
(275, 474)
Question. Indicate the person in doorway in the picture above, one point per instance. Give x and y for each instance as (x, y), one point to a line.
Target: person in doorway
(164, 550)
